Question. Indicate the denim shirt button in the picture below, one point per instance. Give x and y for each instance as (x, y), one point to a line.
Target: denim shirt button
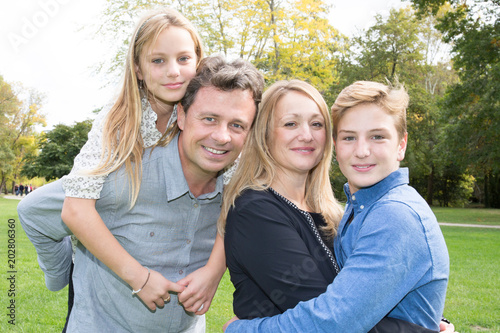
(151, 234)
(362, 207)
(353, 198)
(188, 241)
(181, 271)
(195, 205)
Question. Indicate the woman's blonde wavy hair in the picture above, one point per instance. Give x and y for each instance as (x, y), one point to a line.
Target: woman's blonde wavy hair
(257, 167)
(122, 141)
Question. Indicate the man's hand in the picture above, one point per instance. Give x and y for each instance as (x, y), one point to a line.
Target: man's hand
(200, 288)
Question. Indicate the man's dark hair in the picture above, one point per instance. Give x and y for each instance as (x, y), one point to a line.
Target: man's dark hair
(226, 76)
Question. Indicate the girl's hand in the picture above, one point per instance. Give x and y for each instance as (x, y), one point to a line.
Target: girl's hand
(156, 291)
(200, 288)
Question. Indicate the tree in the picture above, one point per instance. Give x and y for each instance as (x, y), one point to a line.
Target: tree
(285, 39)
(19, 114)
(9, 103)
(58, 149)
(471, 107)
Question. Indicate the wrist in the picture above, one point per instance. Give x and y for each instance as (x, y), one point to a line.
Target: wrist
(135, 276)
(217, 268)
(146, 282)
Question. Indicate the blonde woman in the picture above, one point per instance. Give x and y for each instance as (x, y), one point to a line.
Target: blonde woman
(279, 214)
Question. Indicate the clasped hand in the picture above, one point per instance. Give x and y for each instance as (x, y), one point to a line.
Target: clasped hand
(195, 291)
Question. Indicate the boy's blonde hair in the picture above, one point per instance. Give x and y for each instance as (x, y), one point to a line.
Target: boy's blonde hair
(122, 141)
(393, 100)
(257, 167)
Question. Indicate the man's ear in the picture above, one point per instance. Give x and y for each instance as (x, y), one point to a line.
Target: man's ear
(181, 116)
(402, 147)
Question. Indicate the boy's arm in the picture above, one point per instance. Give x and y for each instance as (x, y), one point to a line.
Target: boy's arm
(83, 219)
(40, 217)
(201, 285)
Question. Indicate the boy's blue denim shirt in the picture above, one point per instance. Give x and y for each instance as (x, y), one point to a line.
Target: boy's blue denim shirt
(394, 262)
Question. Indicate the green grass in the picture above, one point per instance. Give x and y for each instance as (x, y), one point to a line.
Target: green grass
(473, 298)
(467, 215)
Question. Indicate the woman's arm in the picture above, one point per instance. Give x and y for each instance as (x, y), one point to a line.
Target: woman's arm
(201, 285)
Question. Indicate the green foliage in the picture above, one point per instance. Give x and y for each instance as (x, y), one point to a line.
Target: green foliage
(18, 118)
(471, 107)
(58, 149)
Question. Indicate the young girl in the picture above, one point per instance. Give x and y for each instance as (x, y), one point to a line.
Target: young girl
(164, 53)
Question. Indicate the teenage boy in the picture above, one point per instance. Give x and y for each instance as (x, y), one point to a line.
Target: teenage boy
(392, 254)
(172, 227)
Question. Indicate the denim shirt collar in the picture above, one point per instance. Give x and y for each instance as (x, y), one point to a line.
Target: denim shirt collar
(177, 185)
(366, 196)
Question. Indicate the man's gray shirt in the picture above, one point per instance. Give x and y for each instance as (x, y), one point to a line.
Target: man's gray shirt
(167, 230)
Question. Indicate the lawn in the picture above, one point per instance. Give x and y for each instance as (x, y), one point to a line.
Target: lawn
(473, 298)
(468, 215)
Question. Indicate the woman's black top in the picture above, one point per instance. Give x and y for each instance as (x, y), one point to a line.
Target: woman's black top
(273, 255)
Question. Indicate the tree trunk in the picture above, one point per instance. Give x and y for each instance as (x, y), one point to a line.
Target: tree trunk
(430, 187)
(486, 191)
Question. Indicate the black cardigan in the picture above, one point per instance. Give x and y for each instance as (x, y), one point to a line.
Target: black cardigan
(273, 255)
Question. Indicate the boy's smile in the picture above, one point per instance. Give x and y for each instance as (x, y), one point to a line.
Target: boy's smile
(368, 147)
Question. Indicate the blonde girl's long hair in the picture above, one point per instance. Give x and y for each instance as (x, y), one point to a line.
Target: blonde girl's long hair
(122, 140)
(257, 167)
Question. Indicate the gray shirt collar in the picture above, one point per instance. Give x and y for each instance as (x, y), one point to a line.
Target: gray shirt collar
(177, 185)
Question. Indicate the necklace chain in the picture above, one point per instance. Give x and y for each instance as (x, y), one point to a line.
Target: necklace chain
(314, 229)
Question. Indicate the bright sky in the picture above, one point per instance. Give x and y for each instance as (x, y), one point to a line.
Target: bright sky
(43, 46)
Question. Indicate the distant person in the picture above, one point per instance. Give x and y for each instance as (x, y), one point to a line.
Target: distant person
(171, 229)
(390, 250)
(16, 189)
(21, 189)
